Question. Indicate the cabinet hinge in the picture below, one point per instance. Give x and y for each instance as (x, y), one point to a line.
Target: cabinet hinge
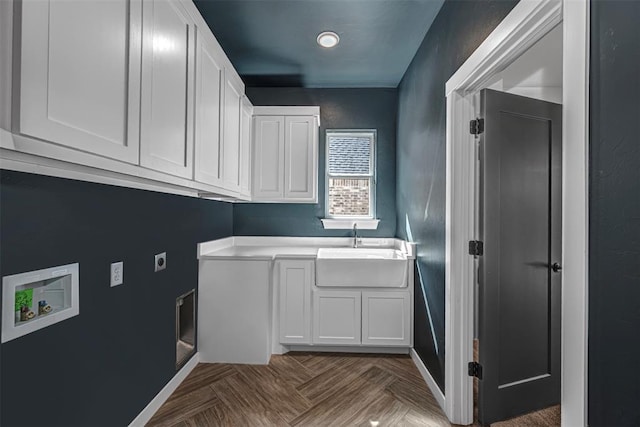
(476, 126)
(475, 370)
(476, 248)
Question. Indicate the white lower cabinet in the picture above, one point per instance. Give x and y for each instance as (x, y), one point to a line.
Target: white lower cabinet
(386, 318)
(295, 279)
(363, 318)
(336, 317)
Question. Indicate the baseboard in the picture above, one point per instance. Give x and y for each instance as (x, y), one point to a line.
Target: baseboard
(348, 349)
(153, 406)
(431, 383)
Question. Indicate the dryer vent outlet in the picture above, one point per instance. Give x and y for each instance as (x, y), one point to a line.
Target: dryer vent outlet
(185, 328)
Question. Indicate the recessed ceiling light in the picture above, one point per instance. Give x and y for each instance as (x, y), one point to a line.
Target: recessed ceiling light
(328, 39)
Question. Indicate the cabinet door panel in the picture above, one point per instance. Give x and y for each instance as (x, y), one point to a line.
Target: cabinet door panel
(336, 317)
(269, 157)
(386, 318)
(80, 75)
(167, 88)
(246, 123)
(231, 166)
(300, 157)
(295, 301)
(209, 78)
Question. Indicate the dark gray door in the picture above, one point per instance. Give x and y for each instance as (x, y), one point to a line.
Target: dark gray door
(520, 289)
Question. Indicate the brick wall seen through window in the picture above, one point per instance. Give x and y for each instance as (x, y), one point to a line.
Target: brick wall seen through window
(350, 173)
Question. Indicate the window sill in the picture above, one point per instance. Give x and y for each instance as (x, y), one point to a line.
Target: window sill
(347, 224)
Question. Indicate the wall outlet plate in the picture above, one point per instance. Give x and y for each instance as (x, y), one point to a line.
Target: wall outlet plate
(117, 273)
(160, 262)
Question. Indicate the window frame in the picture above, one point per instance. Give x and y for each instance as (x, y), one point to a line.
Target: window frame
(372, 176)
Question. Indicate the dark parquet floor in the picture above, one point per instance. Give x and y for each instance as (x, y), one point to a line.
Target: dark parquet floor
(314, 389)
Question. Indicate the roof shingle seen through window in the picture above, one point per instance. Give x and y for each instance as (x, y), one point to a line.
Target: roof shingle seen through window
(349, 155)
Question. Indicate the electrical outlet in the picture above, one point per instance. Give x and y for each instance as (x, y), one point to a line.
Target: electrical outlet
(117, 273)
(160, 261)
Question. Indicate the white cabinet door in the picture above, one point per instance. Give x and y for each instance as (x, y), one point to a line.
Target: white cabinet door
(80, 75)
(300, 153)
(268, 170)
(386, 318)
(208, 149)
(233, 92)
(336, 317)
(295, 279)
(167, 88)
(246, 124)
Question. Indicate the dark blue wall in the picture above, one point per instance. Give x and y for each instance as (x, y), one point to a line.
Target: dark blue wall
(458, 30)
(105, 365)
(614, 215)
(339, 109)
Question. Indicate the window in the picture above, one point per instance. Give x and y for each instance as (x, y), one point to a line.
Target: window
(350, 173)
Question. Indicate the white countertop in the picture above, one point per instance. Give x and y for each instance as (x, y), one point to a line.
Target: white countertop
(269, 248)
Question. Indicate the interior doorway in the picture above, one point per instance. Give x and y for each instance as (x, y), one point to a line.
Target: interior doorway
(519, 285)
(491, 66)
(518, 220)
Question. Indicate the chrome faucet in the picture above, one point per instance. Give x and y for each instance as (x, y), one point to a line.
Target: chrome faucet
(355, 235)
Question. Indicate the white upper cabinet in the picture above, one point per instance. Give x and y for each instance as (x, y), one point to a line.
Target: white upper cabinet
(285, 160)
(167, 88)
(246, 126)
(209, 78)
(219, 115)
(233, 93)
(142, 89)
(80, 75)
(268, 165)
(300, 157)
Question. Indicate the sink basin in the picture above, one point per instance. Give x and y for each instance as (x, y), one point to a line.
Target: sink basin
(361, 267)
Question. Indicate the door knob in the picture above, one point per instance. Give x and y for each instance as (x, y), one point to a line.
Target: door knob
(556, 267)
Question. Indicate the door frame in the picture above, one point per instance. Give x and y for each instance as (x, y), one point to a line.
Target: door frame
(527, 23)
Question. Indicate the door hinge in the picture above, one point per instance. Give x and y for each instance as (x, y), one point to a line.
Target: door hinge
(476, 126)
(475, 370)
(476, 248)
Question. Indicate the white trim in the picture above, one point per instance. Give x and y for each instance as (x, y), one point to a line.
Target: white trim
(459, 266)
(431, 383)
(155, 404)
(519, 30)
(275, 110)
(25, 154)
(6, 62)
(575, 205)
(345, 349)
(69, 275)
(528, 22)
(347, 224)
(371, 176)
